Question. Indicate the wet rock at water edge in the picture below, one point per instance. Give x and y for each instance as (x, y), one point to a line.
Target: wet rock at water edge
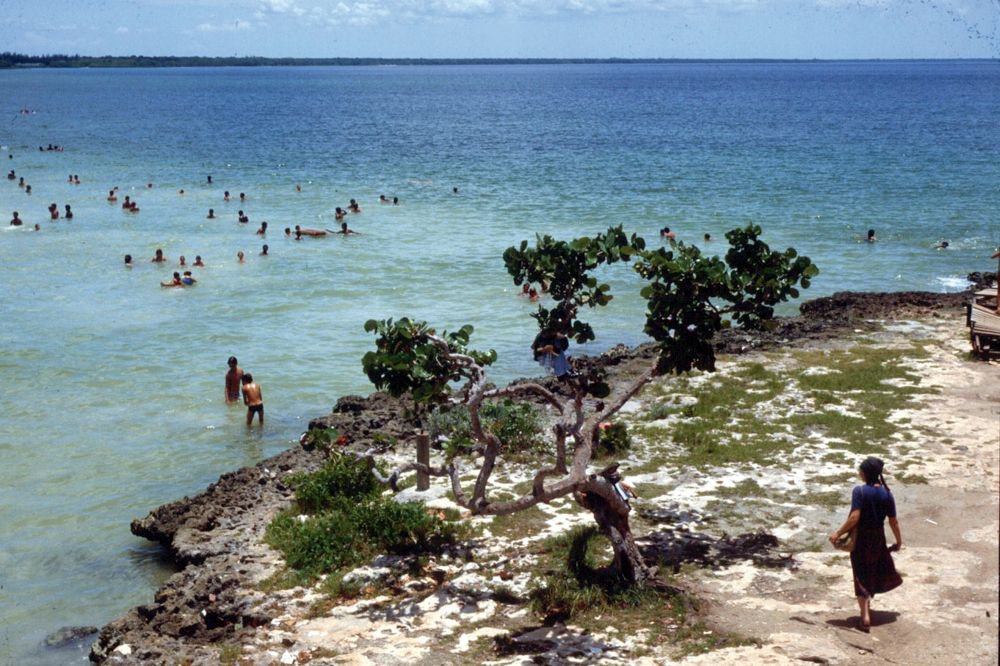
(68, 636)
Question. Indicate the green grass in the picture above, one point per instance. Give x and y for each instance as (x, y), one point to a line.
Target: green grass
(913, 479)
(579, 581)
(698, 638)
(849, 404)
(745, 488)
(229, 654)
(284, 579)
(520, 524)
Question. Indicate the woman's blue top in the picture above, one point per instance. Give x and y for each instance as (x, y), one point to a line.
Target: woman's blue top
(876, 504)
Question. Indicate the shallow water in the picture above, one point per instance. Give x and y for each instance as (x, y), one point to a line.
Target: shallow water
(112, 386)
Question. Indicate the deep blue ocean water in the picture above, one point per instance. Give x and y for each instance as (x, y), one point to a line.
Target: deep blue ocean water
(112, 386)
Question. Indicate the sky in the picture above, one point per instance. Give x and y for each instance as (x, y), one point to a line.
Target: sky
(827, 29)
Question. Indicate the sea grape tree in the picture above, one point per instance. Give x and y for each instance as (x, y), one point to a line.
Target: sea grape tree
(690, 298)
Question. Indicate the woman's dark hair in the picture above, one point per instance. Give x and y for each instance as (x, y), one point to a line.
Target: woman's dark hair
(871, 469)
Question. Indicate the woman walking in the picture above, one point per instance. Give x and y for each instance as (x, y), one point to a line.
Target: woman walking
(871, 561)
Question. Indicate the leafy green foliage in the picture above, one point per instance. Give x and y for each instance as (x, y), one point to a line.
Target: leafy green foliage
(323, 439)
(407, 360)
(759, 277)
(518, 426)
(689, 294)
(342, 477)
(566, 270)
(350, 521)
(614, 440)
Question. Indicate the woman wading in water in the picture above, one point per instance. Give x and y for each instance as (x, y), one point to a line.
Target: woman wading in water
(871, 561)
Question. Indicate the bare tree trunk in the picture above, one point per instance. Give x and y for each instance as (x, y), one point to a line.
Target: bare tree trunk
(611, 514)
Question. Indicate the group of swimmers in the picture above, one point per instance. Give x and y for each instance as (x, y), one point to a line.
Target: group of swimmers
(667, 234)
(185, 279)
(941, 245)
(20, 181)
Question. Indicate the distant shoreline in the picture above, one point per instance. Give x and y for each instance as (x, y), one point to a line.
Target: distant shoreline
(22, 61)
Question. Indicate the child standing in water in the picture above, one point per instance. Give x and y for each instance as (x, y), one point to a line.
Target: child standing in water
(253, 399)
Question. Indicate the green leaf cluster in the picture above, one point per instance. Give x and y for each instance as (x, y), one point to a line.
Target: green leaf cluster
(565, 269)
(614, 440)
(407, 360)
(689, 295)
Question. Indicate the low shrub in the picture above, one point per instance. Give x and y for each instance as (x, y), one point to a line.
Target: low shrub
(324, 439)
(343, 476)
(350, 521)
(613, 441)
(319, 544)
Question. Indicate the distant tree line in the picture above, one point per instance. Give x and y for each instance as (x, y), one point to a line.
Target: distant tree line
(9, 59)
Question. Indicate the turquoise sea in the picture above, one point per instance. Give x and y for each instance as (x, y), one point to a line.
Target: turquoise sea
(112, 387)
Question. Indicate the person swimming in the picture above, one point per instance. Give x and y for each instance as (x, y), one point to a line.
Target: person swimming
(263, 229)
(943, 245)
(112, 197)
(128, 261)
(187, 279)
(243, 218)
(299, 232)
(16, 221)
(263, 250)
(211, 214)
(871, 236)
(176, 282)
(158, 257)
(69, 212)
(198, 262)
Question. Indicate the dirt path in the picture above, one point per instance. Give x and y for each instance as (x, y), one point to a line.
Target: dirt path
(946, 611)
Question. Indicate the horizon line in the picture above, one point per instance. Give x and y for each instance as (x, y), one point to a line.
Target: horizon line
(14, 60)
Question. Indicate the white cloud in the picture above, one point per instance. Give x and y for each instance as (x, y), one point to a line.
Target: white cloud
(367, 12)
(237, 25)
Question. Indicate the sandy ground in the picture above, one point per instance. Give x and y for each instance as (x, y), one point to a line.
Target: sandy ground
(945, 612)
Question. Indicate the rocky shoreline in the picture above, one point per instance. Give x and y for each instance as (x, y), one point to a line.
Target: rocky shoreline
(216, 537)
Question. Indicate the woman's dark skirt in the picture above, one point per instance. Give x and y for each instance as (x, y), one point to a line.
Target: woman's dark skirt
(874, 571)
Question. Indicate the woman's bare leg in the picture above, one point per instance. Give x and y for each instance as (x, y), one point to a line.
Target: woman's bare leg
(863, 606)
